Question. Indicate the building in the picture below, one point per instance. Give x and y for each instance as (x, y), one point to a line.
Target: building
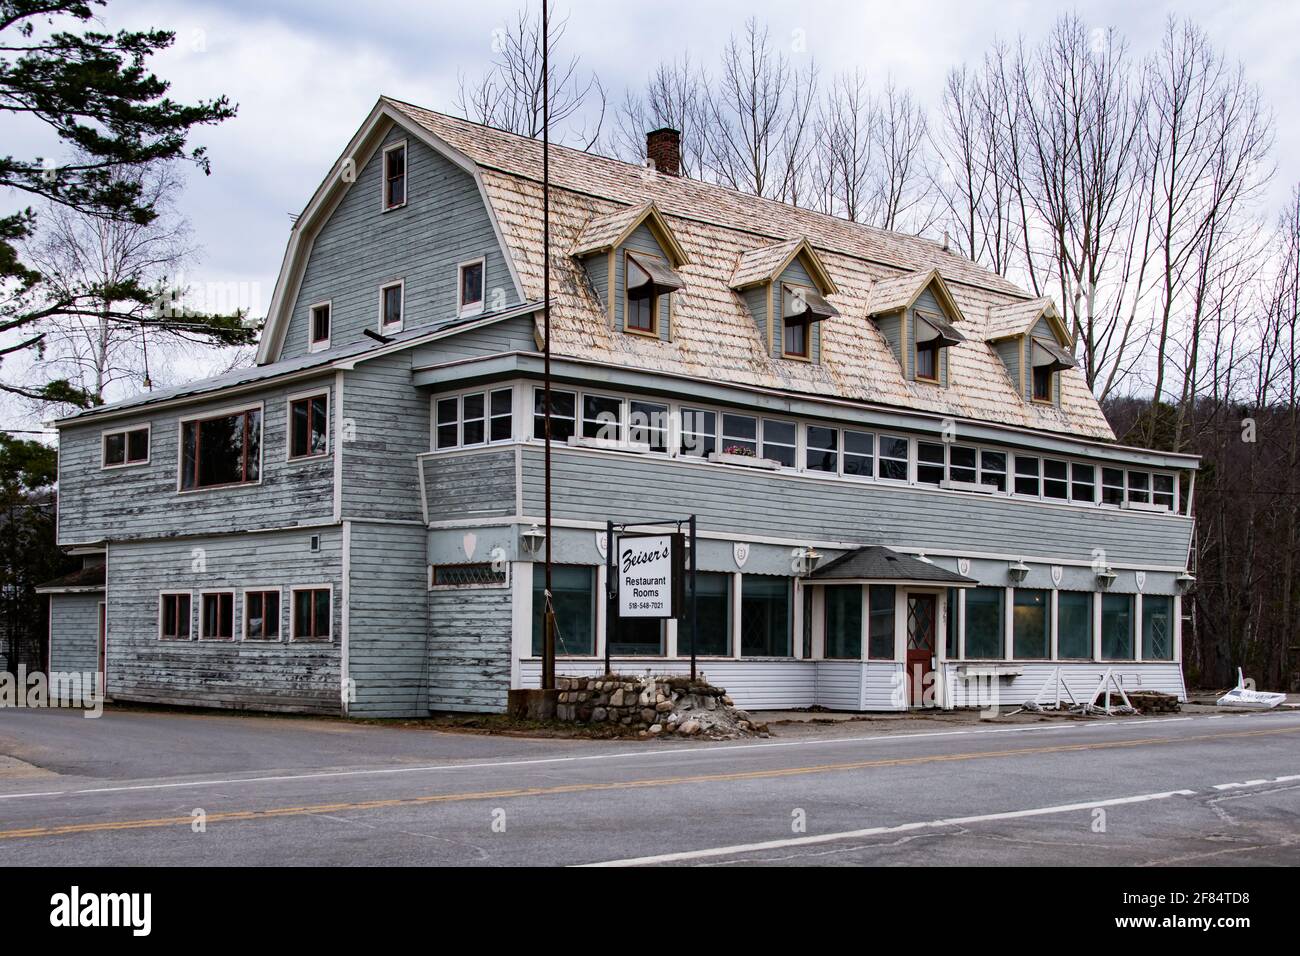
(348, 525)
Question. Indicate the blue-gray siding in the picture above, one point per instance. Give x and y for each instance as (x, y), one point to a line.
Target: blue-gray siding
(469, 649)
(74, 632)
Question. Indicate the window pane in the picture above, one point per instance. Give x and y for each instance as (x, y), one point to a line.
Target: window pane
(740, 435)
(137, 444)
(1055, 484)
(984, 628)
(927, 363)
(563, 409)
(115, 448)
(1117, 627)
(1157, 628)
(473, 428)
(880, 642)
(319, 425)
(392, 305)
(1112, 486)
(844, 622)
(320, 323)
(1074, 625)
(765, 616)
(301, 614)
(1138, 483)
(471, 284)
(218, 616)
(823, 446)
(189, 453)
(640, 314)
(796, 338)
(1083, 482)
(648, 425)
(699, 432)
(993, 469)
(951, 635)
(1163, 491)
(299, 413)
(447, 431)
(574, 598)
(321, 602)
(929, 463)
(713, 612)
(503, 400)
(893, 458)
(961, 463)
(859, 453)
(600, 417)
(1026, 476)
(638, 637)
(395, 176)
(779, 441)
(228, 449)
(1030, 624)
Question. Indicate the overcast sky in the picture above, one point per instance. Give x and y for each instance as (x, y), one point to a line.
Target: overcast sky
(304, 73)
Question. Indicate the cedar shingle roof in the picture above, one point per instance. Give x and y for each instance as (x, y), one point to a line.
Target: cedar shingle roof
(1016, 318)
(713, 335)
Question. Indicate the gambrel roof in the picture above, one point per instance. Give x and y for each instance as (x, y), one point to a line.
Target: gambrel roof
(729, 236)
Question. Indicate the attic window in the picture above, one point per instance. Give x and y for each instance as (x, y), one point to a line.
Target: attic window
(799, 303)
(395, 176)
(646, 279)
(932, 334)
(470, 283)
(1048, 359)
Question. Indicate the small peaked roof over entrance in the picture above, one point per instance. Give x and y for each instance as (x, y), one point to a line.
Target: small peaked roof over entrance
(875, 563)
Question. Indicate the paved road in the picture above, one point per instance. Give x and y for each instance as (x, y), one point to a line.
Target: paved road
(126, 789)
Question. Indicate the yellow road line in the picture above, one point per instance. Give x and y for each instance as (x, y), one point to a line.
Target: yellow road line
(240, 815)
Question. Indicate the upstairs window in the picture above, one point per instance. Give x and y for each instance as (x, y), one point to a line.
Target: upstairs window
(822, 449)
(927, 362)
(740, 435)
(646, 279)
(1027, 475)
(699, 432)
(795, 338)
(563, 414)
(801, 306)
(311, 613)
(222, 450)
(893, 458)
(647, 424)
(961, 464)
(390, 307)
(470, 283)
(217, 621)
(1043, 384)
(859, 453)
(1112, 486)
(993, 469)
(261, 615)
(174, 617)
(779, 441)
(1083, 482)
(309, 426)
(1056, 479)
(319, 337)
(128, 446)
(395, 176)
(931, 335)
(476, 418)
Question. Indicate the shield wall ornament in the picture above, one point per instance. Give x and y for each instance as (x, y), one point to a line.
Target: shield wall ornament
(740, 551)
(963, 566)
(601, 545)
(1057, 573)
(470, 542)
(1141, 578)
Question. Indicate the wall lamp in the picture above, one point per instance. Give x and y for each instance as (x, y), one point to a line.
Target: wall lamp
(809, 558)
(1105, 578)
(533, 540)
(1185, 582)
(1018, 571)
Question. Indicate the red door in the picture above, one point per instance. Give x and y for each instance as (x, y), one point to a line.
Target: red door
(921, 627)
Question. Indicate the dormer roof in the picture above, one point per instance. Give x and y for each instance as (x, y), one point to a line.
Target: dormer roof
(610, 231)
(901, 292)
(766, 263)
(1019, 318)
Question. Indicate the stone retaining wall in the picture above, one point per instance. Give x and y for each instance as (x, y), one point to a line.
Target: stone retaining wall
(654, 704)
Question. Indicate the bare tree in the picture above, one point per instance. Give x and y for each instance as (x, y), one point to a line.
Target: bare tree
(674, 96)
(760, 118)
(843, 161)
(509, 95)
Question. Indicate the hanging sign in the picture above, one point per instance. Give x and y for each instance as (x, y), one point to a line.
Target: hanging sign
(650, 574)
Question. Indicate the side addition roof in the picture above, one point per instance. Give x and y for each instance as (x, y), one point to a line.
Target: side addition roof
(876, 563)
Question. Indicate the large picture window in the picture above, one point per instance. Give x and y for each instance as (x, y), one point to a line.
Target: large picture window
(880, 641)
(223, 450)
(309, 426)
(1157, 628)
(764, 616)
(985, 631)
(844, 622)
(1031, 624)
(1117, 627)
(573, 593)
(1074, 625)
(713, 617)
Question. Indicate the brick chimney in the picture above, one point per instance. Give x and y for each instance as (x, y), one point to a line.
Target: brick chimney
(664, 149)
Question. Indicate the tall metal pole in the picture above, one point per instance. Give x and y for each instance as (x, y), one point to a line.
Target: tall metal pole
(548, 647)
(611, 591)
(695, 627)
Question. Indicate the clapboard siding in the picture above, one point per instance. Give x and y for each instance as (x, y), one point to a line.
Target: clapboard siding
(508, 335)
(142, 501)
(283, 675)
(74, 632)
(389, 427)
(360, 247)
(388, 623)
(1082, 678)
(747, 501)
(476, 484)
(469, 649)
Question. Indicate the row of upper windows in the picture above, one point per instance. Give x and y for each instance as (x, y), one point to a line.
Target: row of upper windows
(645, 426)
(311, 610)
(226, 449)
(392, 305)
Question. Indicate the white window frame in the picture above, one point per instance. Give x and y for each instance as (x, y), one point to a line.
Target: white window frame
(843, 452)
(474, 308)
(147, 428)
(383, 176)
(229, 411)
(234, 616)
(487, 392)
(911, 459)
(392, 327)
(293, 590)
(193, 630)
(243, 613)
(323, 344)
(288, 426)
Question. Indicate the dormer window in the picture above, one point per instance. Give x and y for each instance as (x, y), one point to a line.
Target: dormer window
(1048, 359)
(395, 176)
(647, 279)
(801, 306)
(927, 361)
(932, 334)
(1042, 384)
(795, 343)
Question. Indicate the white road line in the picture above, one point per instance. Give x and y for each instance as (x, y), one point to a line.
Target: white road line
(667, 751)
(1257, 783)
(741, 848)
